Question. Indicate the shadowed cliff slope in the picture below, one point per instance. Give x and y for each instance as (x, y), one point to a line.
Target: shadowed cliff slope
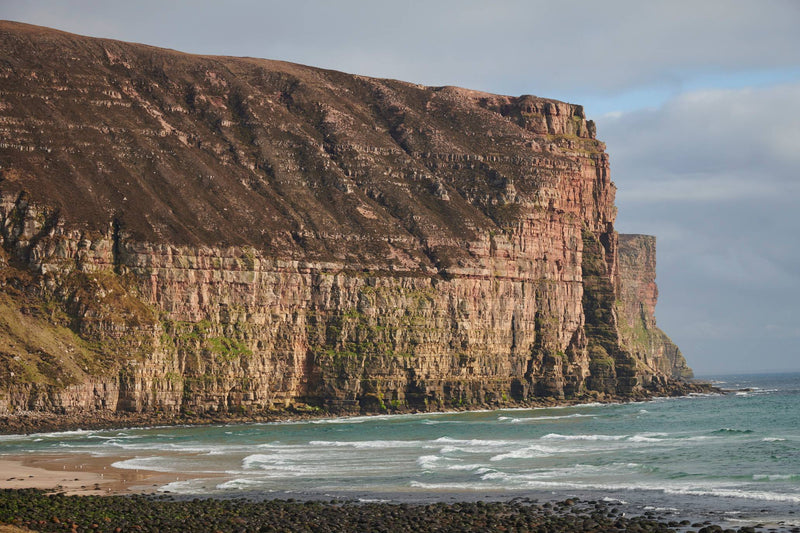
(212, 234)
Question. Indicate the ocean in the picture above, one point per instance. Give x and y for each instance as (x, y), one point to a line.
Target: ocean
(732, 457)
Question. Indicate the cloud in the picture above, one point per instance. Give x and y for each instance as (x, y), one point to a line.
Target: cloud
(736, 142)
(791, 331)
(697, 187)
(715, 175)
(558, 49)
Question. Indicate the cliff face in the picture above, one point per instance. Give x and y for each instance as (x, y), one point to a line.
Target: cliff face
(208, 234)
(636, 310)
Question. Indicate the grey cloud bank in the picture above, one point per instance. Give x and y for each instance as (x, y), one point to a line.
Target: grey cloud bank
(514, 47)
(715, 175)
(705, 143)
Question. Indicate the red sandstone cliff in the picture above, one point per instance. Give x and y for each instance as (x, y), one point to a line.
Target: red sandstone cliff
(198, 234)
(637, 306)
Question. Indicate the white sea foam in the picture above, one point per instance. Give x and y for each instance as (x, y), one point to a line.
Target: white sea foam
(368, 443)
(733, 431)
(449, 445)
(349, 420)
(11, 438)
(428, 462)
(63, 434)
(497, 476)
(773, 439)
(456, 486)
(189, 486)
(557, 436)
(578, 473)
(156, 464)
(260, 460)
(476, 468)
(281, 467)
(546, 418)
(594, 404)
(644, 438)
(660, 509)
(177, 447)
(120, 436)
(240, 483)
(774, 477)
(583, 477)
(716, 489)
(509, 482)
(558, 407)
(529, 452)
(275, 444)
(473, 442)
(738, 493)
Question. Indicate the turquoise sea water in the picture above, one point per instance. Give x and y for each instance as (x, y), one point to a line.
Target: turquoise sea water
(737, 454)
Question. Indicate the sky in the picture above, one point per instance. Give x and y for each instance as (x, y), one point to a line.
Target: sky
(698, 102)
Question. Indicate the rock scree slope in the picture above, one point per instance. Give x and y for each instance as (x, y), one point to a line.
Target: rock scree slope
(193, 235)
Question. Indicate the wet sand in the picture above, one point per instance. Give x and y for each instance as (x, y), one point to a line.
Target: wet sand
(80, 474)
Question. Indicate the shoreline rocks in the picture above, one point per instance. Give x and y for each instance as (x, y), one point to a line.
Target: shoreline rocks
(41, 512)
(43, 421)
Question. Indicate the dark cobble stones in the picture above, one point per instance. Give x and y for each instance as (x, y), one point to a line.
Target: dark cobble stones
(40, 511)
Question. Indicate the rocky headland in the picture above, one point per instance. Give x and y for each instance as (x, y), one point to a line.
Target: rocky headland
(188, 238)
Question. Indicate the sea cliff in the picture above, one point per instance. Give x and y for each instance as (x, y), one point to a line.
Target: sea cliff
(195, 235)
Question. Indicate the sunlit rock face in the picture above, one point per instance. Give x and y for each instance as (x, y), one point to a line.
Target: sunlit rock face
(212, 234)
(654, 350)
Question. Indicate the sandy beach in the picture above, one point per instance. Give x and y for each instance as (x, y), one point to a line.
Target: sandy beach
(80, 474)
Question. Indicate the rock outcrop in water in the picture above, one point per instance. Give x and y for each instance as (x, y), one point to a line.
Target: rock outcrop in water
(208, 234)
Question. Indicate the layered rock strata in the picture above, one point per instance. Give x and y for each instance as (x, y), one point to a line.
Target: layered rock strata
(204, 234)
(636, 308)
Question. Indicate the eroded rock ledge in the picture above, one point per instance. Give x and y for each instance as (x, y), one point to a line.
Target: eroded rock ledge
(208, 236)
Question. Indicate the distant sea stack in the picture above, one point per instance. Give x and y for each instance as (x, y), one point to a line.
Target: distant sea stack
(200, 235)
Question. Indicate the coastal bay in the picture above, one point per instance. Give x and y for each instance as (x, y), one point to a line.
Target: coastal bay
(707, 458)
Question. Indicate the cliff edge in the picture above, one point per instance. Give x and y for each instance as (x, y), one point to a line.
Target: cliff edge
(194, 234)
